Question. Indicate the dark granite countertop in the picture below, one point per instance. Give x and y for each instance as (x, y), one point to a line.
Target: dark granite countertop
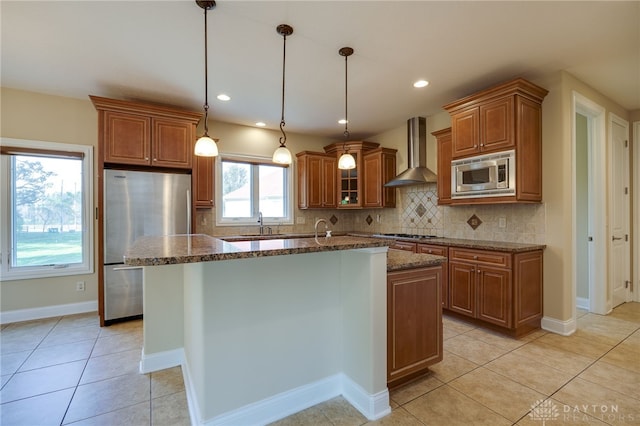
(176, 249)
(464, 243)
(401, 259)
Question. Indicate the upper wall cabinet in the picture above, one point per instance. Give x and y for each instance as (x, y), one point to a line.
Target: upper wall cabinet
(379, 167)
(363, 185)
(146, 135)
(316, 180)
(443, 143)
(503, 117)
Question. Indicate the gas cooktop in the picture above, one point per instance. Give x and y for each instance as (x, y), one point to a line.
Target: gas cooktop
(413, 236)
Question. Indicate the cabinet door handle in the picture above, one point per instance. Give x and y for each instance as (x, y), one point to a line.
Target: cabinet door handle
(478, 271)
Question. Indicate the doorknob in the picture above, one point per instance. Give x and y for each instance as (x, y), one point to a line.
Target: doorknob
(614, 238)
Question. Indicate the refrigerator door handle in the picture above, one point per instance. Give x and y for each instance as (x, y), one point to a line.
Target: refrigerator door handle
(188, 211)
(127, 268)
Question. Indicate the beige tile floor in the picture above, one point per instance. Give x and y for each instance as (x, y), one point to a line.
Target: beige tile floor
(68, 370)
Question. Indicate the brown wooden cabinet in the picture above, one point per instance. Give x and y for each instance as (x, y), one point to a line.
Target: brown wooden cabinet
(363, 186)
(139, 134)
(439, 251)
(443, 143)
(507, 116)
(379, 167)
(404, 245)
(316, 180)
(504, 289)
(203, 182)
(414, 323)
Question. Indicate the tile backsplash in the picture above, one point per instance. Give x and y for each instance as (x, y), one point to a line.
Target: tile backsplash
(416, 212)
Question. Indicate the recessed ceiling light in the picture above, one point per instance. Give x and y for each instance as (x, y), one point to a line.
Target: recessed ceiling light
(342, 121)
(421, 83)
(261, 124)
(223, 97)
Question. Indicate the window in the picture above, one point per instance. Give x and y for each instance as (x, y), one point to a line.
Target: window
(249, 186)
(46, 220)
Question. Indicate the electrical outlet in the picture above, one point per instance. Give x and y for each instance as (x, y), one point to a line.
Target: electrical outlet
(80, 286)
(502, 222)
(300, 220)
(378, 218)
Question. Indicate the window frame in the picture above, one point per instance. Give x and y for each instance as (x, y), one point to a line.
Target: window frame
(26, 147)
(254, 161)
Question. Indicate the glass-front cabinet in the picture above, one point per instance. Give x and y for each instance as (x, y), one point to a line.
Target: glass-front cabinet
(351, 183)
(348, 180)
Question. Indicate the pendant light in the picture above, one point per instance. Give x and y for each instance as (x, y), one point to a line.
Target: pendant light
(346, 161)
(205, 146)
(282, 155)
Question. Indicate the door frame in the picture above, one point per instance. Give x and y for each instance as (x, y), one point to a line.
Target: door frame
(613, 118)
(635, 262)
(598, 226)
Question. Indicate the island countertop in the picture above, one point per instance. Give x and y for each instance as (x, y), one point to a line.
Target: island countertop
(176, 249)
(401, 259)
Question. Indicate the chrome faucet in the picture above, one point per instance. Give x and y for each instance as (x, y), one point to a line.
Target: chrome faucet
(326, 228)
(261, 222)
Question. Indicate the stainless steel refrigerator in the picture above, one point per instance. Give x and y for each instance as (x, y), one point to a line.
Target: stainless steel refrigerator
(137, 204)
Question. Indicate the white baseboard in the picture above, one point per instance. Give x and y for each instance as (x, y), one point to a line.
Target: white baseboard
(373, 406)
(290, 402)
(17, 315)
(161, 360)
(553, 325)
(582, 303)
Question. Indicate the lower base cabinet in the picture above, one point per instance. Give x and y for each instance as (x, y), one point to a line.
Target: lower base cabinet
(498, 289)
(414, 322)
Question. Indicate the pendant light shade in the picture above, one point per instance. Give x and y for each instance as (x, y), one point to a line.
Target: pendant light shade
(282, 155)
(205, 146)
(346, 161)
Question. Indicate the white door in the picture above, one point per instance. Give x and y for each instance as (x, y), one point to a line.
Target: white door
(620, 252)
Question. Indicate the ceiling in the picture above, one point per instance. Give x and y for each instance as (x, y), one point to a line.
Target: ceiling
(154, 51)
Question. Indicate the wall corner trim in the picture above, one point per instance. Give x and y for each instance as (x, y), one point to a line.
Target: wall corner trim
(564, 328)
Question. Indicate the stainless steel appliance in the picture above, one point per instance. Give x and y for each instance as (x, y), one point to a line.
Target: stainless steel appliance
(489, 175)
(406, 236)
(137, 204)
(417, 173)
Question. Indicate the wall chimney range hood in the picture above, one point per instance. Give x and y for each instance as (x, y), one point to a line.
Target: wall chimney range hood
(417, 173)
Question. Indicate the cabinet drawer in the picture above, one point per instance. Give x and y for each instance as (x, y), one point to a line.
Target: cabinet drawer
(481, 256)
(431, 249)
(403, 245)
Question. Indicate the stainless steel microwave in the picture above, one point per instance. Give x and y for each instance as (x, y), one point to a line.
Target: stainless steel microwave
(489, 175)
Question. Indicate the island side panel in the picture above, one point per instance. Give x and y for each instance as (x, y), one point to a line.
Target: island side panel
(194, 342)
(364, 306)
(269, 325)
(163, 323)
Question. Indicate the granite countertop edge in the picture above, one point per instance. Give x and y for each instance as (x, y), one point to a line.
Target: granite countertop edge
(181, 249)
(503, 246)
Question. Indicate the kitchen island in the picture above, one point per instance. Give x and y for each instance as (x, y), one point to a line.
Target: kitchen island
(267, 328)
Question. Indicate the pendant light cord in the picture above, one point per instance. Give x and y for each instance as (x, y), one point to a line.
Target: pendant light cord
(346, 118)
(206, 78)
(283, 138)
